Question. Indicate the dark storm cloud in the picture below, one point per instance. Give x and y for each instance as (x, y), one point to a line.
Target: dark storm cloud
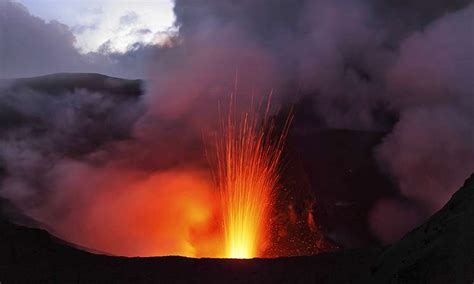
(30, 46)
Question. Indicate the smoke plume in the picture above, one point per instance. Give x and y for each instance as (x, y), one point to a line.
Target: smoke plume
(81, 162)
(429, 151)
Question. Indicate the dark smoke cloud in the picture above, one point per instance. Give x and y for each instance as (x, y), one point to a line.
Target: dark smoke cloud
(40, 130)
(402, 17)
(430, 151)
(71, 162)
(355, 58)
(337, 50)
(308, 49)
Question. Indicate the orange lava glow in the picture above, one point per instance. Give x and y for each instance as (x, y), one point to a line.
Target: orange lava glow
(249, 151)
(166, 213)
(180, 211)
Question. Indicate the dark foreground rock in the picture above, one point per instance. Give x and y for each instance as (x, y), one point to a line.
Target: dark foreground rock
(32, 256)
(439, 251)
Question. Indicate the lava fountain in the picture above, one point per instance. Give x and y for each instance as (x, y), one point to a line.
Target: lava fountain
(249, 150)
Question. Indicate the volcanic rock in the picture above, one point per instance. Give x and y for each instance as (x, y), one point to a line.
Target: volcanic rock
(439, 251)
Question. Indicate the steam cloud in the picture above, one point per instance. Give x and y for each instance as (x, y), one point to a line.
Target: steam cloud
(355, 58)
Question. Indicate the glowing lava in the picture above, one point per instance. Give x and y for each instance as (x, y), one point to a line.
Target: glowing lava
(249, 151)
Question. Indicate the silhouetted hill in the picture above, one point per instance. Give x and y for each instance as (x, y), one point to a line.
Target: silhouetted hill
(32, 256)
(68, 82)
(439, 251)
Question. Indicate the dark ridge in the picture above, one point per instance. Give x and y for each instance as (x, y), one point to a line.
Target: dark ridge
(32, 256)
(68, 82)
(439, 251)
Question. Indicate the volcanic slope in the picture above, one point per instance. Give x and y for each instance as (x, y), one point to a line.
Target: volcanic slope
(68, 82)
(439, 251)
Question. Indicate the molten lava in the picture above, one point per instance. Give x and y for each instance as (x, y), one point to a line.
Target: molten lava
(249, 151)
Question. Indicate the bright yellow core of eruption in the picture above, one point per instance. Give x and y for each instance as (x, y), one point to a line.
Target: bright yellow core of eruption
(249, 150)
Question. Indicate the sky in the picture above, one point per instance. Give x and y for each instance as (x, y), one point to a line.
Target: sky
(112, 25)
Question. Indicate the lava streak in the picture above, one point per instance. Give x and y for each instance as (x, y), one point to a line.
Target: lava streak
(249, 151)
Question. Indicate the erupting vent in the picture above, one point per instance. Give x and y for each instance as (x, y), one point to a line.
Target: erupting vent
(249, 151)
